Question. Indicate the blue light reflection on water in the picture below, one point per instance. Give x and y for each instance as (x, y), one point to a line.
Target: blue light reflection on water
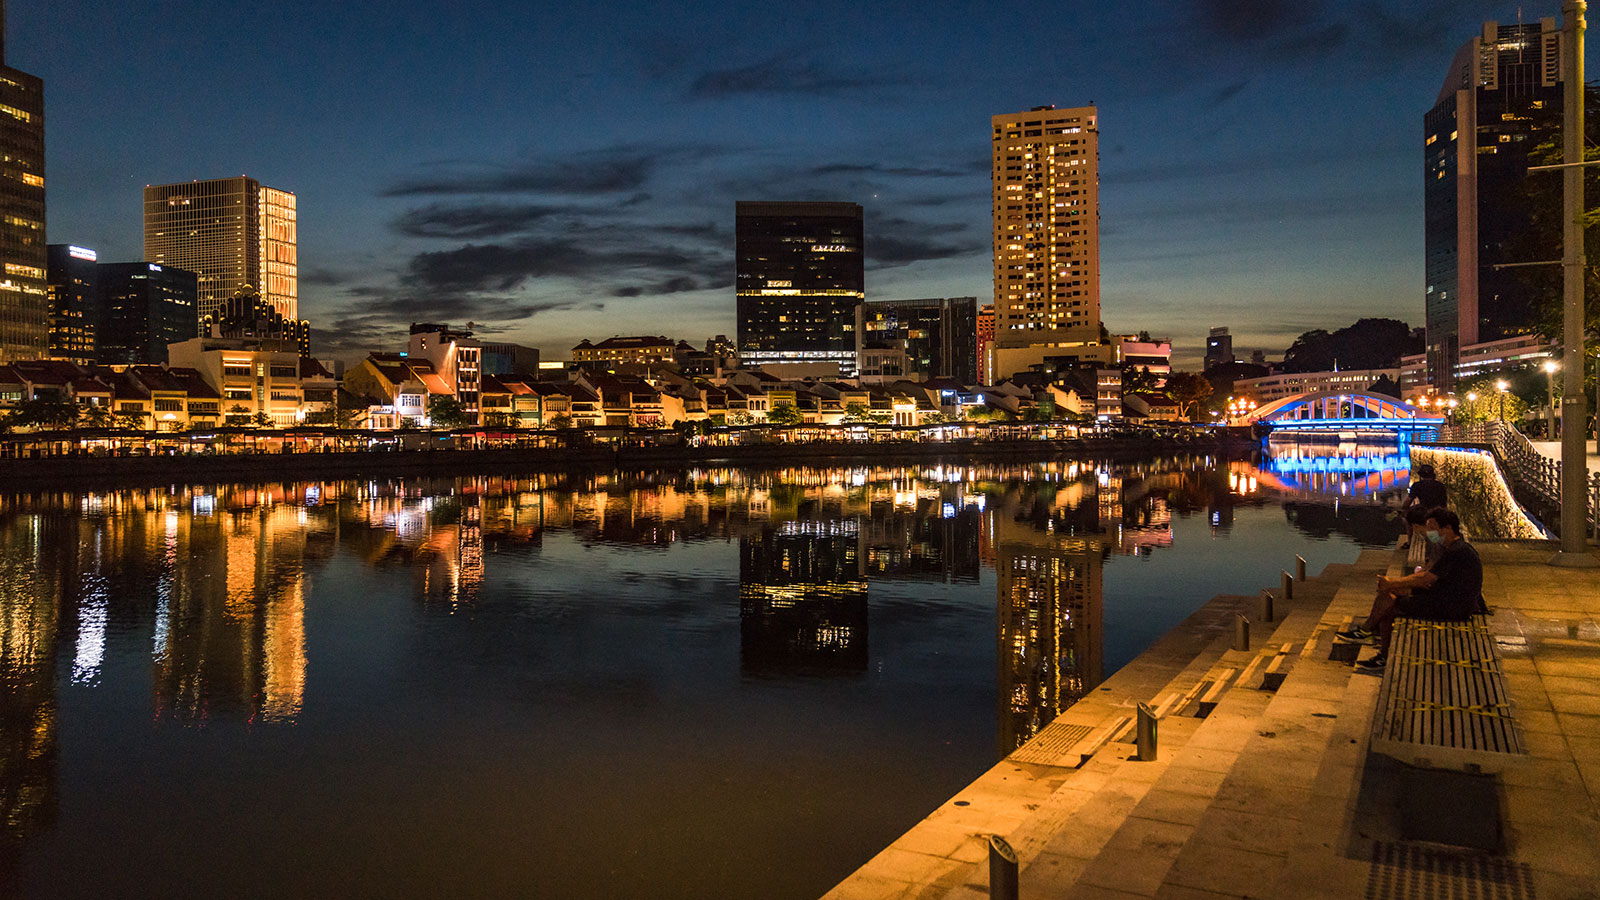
(722, 683)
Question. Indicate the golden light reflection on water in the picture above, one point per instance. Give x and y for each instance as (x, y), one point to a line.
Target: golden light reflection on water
(216, 580)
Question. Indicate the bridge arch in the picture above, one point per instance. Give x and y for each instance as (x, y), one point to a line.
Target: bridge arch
(1339, 409)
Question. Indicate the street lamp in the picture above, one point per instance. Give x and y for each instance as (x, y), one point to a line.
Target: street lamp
(1502, 387)
(1550, 367)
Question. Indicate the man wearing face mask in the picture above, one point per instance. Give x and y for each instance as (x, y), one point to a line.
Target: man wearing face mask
(1450, 589)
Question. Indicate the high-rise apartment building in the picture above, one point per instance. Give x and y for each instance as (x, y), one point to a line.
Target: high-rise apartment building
(73, 284)
(24, 300)
(918, 339)
(147, 308)
(1046, 165)
(800, 276)
(230, 232)
(1501, 98)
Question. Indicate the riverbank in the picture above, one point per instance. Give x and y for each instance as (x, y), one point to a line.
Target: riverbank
(1273, 794)
(79, 469)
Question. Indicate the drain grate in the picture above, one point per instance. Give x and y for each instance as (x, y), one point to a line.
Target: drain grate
(1411, 872)
(1048, 746)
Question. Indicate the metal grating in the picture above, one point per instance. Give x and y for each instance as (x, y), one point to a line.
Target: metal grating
(1412, 872)
(1051, 744)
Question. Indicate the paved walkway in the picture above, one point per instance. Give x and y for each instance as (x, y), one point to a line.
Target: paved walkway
(1552, 449)
(1273, 793)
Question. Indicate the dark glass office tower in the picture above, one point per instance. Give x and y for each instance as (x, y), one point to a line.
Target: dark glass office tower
(799, 280)
(75, 309)
(147, 307)
(1501, 98)
(24, 300)
(919, 339)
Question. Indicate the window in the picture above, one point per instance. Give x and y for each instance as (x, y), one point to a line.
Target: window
(284, 372)
(169, 406)
(239, 394)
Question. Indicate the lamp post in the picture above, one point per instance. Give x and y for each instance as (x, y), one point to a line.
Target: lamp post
(1550, 366)
(1501, 386)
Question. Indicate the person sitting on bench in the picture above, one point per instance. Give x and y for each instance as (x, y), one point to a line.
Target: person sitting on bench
(1451, 589)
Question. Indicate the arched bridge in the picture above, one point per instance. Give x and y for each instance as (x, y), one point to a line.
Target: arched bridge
(1336, 411)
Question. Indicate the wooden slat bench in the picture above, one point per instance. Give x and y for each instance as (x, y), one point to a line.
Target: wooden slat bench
(1443, 703)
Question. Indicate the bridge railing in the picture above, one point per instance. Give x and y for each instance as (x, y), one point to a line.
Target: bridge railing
(1529, 469)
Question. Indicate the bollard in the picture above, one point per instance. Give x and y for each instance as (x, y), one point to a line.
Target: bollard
(1288, 587)
(1299, 568)
(1266, 606)
(1002, 869)
(1145, 737)
(1241, 634)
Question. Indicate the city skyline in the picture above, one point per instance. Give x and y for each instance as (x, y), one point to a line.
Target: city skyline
(602, 199)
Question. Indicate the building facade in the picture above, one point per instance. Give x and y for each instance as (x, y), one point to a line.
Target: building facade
(457, 357)
(1219, 348)
(1501, 98)
(256, 377)
(230, 232)
(24, 300)
(1046, 167)
(72, 277)
(146, 307)
(248, 314)
(643, 349)
(918, 339)
(799, 277)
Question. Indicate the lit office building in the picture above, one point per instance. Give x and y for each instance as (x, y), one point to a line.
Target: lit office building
(1046, 241)
(800, 277)
(1503, 93)
(72, 280)
(24, 300)
(803, 598)
(918, 339)
(146, 308)
(1219, 348)
(230, 232)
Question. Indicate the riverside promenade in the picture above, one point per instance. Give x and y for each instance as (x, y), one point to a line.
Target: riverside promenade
(1273, 793)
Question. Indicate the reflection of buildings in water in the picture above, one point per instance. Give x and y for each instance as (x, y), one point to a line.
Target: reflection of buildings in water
(30, 610)
(1049, 587)
(803, 598)
(231, 636)
(1368, 525)
(928, 540)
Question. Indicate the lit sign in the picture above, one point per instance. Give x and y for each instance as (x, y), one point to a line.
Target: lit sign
(154, 267)
(83, 253)
(778, 284)
(829, 248)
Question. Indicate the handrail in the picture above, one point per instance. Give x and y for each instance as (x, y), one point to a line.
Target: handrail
(1527, 467)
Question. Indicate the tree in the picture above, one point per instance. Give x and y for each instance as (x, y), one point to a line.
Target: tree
(861, 412)
(500, 420)
(1191, 392)
(1368, 344)
(1139, 381)
(785, 414)
(236, 417)
(261, 420)
(559, 421)
(986, 414)
(1385, 386)
(97, 415)
(447, 412)
(133, 420)
(1483, 401)
(46, 413)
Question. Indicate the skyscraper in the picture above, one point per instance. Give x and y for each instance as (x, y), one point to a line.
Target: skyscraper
(147, 308)
(1501, 98)
(24, 301)
(1219, 348)
(918, 339)
(800, 277)
(230, 232)
(1046, 240)
(73, 284)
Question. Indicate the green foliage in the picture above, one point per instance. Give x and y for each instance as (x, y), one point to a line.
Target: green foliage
(1482, 400)
(500, 420)
(987, 414)
(1192, 393)
(132, 420)
(1368, 344)
(236, 417)
(935, 418)
(861, 412)
(44, 413)
(96, 415)
(785, 414)
(559, 421)
(448, 413)
(1139, 381)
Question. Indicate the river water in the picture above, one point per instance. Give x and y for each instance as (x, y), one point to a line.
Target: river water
(719, 682)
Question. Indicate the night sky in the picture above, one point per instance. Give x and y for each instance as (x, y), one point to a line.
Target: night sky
(552, 172)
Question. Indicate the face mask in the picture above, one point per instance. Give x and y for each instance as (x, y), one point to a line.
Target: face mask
(1435, 537)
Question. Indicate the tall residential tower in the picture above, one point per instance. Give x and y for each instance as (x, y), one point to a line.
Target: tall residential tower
(799, 278)
(231, 232)
(1046, 240)
(1501, 98)
(24, 301)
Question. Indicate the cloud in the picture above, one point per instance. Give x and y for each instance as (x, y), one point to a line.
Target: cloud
(1229, 91)
(787, 74)
(894, 171)
(472, 221)
(611, 171)
(893, 241)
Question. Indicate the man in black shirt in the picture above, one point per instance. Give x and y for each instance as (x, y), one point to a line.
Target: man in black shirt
(1427, 491)
(1451, 589)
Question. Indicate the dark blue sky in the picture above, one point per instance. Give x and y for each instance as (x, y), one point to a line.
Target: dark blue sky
(558, 171)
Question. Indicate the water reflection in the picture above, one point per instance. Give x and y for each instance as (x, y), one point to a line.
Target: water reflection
(204, 593)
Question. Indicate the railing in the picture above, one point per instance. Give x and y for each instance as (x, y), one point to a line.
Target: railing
(1528, 469)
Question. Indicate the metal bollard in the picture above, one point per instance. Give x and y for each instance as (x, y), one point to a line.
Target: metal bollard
(1002, 869)
(1145, 736)
(1266, 606)
(1241, 633)
(1288, 587)
(1299, 568)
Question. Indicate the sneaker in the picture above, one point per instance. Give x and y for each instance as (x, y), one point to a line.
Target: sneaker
(1357, 635)
(1373, 664)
